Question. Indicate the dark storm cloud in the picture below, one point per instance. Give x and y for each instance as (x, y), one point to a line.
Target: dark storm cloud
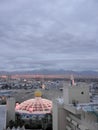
(48, 34)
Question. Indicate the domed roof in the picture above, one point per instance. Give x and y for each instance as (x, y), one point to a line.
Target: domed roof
(37, 105)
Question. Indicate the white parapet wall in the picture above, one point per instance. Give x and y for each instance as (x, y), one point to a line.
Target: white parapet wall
(78, 94)
(10, 115)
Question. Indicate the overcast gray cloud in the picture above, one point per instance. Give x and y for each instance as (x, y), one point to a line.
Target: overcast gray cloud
(48, 34)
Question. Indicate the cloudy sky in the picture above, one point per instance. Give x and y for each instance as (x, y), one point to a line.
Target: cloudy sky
(48, 34)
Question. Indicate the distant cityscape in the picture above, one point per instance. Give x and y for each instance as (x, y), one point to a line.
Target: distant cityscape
(60, 74)
(25, 94)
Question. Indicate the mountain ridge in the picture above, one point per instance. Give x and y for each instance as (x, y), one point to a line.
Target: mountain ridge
(51, 72)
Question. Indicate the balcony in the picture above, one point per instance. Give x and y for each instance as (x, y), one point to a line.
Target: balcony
(72, 109)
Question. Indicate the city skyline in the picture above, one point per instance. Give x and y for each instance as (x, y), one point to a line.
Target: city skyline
(48, 34)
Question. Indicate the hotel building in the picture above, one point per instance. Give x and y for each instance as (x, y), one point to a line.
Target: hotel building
(75, 111)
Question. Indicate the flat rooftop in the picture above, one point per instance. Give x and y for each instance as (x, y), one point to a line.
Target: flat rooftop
(88, 107)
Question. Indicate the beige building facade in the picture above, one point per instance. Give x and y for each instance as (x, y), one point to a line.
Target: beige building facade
(75, 112)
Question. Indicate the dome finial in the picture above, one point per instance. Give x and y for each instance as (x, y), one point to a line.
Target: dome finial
(38, 93)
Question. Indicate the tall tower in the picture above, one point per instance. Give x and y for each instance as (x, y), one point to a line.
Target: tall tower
(42, 83)
(72, 80)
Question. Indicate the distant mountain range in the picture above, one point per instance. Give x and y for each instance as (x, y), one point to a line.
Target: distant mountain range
(51, 72)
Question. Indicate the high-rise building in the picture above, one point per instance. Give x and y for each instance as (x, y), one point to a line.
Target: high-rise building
(75, 111)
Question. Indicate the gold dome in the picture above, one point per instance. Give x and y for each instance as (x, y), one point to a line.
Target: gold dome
(38, 93)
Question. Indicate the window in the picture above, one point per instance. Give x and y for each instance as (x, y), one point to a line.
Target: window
(82, 92)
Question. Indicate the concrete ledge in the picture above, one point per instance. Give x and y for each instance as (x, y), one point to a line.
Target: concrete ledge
(72, 109)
